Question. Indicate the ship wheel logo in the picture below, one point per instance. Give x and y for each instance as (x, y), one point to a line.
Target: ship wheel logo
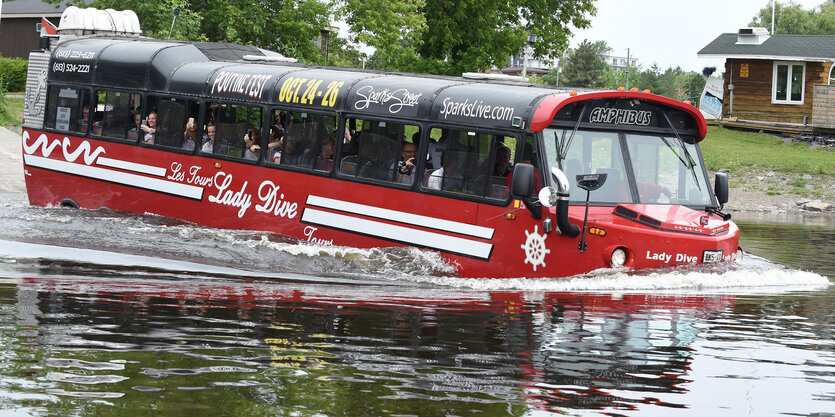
(535, 249)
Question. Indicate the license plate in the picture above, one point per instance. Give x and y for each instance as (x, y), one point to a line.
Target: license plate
(712, 256)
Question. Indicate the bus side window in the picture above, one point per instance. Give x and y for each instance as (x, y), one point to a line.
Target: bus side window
(65, 109)
(382, 150)
(472, 163)
(113, 114)
(304, 140)
(501, 170)
(171, 118)
(226, 125)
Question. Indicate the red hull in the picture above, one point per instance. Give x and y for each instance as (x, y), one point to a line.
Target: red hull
(478, 238)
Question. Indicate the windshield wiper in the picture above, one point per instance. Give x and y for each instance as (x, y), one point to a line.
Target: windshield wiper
(690, 164)
(562, 146)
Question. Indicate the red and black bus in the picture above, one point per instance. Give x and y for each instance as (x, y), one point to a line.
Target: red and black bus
(505, 179)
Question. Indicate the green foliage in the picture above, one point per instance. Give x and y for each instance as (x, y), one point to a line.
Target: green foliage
(393, 28)
(6, 116)
(584, 66)
(288, 26)
(791, 18)
(407, 35)
(461, 36)
(13, 73)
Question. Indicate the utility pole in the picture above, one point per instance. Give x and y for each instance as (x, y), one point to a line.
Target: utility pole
(627, 69)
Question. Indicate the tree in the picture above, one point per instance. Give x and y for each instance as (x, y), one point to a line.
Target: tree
(792, 19)
(290, 27)
(584, 66)
(463, 35)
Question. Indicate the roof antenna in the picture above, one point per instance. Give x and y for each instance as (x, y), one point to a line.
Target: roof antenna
(176, 13)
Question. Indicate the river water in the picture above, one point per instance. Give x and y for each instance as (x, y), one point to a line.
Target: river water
(107, 314)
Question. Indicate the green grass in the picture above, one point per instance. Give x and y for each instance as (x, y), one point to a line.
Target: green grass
(734, 151)
(15, 112)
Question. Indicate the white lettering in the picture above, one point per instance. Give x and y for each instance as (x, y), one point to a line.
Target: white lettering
(198, 179)
(245, 84)
(663, 256)
(238, 199)
(308, 233)
(398, 98)
(176, 173)
(475, 109)
(274, 202)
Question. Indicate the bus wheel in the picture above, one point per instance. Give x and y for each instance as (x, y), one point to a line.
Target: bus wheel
(68, 202)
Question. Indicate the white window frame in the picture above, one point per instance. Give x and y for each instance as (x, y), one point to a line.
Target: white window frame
(832, 74)
(788, 100)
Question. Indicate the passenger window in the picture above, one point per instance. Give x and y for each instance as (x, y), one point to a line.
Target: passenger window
(382, 151)
(68, 109)
(302, 140)
(233, 130)
(473, 163)
(166, 120)
(114, 114)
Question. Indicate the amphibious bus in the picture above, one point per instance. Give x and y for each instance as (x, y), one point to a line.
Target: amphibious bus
(503, 178)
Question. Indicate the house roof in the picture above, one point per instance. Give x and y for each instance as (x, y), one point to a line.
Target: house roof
(33, 8)
(819, 48)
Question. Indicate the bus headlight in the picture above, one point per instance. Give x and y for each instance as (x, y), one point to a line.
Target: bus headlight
(618, 257)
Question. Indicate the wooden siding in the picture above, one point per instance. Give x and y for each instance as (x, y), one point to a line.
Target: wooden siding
(752, 94)
(18, 36)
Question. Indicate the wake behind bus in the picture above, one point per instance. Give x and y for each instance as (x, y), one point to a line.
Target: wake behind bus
(502, 178)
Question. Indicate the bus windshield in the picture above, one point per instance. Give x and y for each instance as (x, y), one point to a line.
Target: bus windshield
(646, 169)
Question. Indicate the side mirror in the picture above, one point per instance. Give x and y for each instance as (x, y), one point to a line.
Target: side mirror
(720, 187)
(521, 187)
(591, 182)
(523, 180)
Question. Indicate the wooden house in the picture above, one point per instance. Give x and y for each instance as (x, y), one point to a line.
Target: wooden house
(19, 32)
(778, 82)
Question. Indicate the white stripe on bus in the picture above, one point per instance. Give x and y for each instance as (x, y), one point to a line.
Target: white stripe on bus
(153, 184)
(397, 233)
(401, 217)
(130, 166)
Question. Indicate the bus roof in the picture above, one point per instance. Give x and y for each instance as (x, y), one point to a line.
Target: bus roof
(246, 73)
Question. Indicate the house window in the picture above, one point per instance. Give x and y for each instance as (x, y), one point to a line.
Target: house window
(832, 74)
(788, 83)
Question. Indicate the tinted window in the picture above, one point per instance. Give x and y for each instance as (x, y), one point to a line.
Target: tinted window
(68, 109)
(114, 114)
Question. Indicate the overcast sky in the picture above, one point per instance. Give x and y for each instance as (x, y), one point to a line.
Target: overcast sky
(670, 32)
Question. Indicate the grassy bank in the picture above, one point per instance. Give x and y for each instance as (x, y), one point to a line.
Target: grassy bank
(15, 115)
(736, 151)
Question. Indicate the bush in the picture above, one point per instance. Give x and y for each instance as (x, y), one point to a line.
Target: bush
(13, 73)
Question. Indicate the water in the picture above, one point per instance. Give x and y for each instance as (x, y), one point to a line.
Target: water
(103, 313)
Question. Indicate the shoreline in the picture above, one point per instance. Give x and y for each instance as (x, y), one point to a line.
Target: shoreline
(749, 193)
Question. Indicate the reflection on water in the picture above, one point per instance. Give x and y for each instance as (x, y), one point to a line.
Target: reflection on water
(94, 346)
(805, 242)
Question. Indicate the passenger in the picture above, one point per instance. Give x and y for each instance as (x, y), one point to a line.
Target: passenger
(252, 140)
(649, 191)
(85, 118)
(106, 127)
(406, 165)
(209, 139)
(436, 149)
(324, 161)
(133, 133)
(448, 176)
(190, 135)
(275, 142)
(150, 128)
(502, 165)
